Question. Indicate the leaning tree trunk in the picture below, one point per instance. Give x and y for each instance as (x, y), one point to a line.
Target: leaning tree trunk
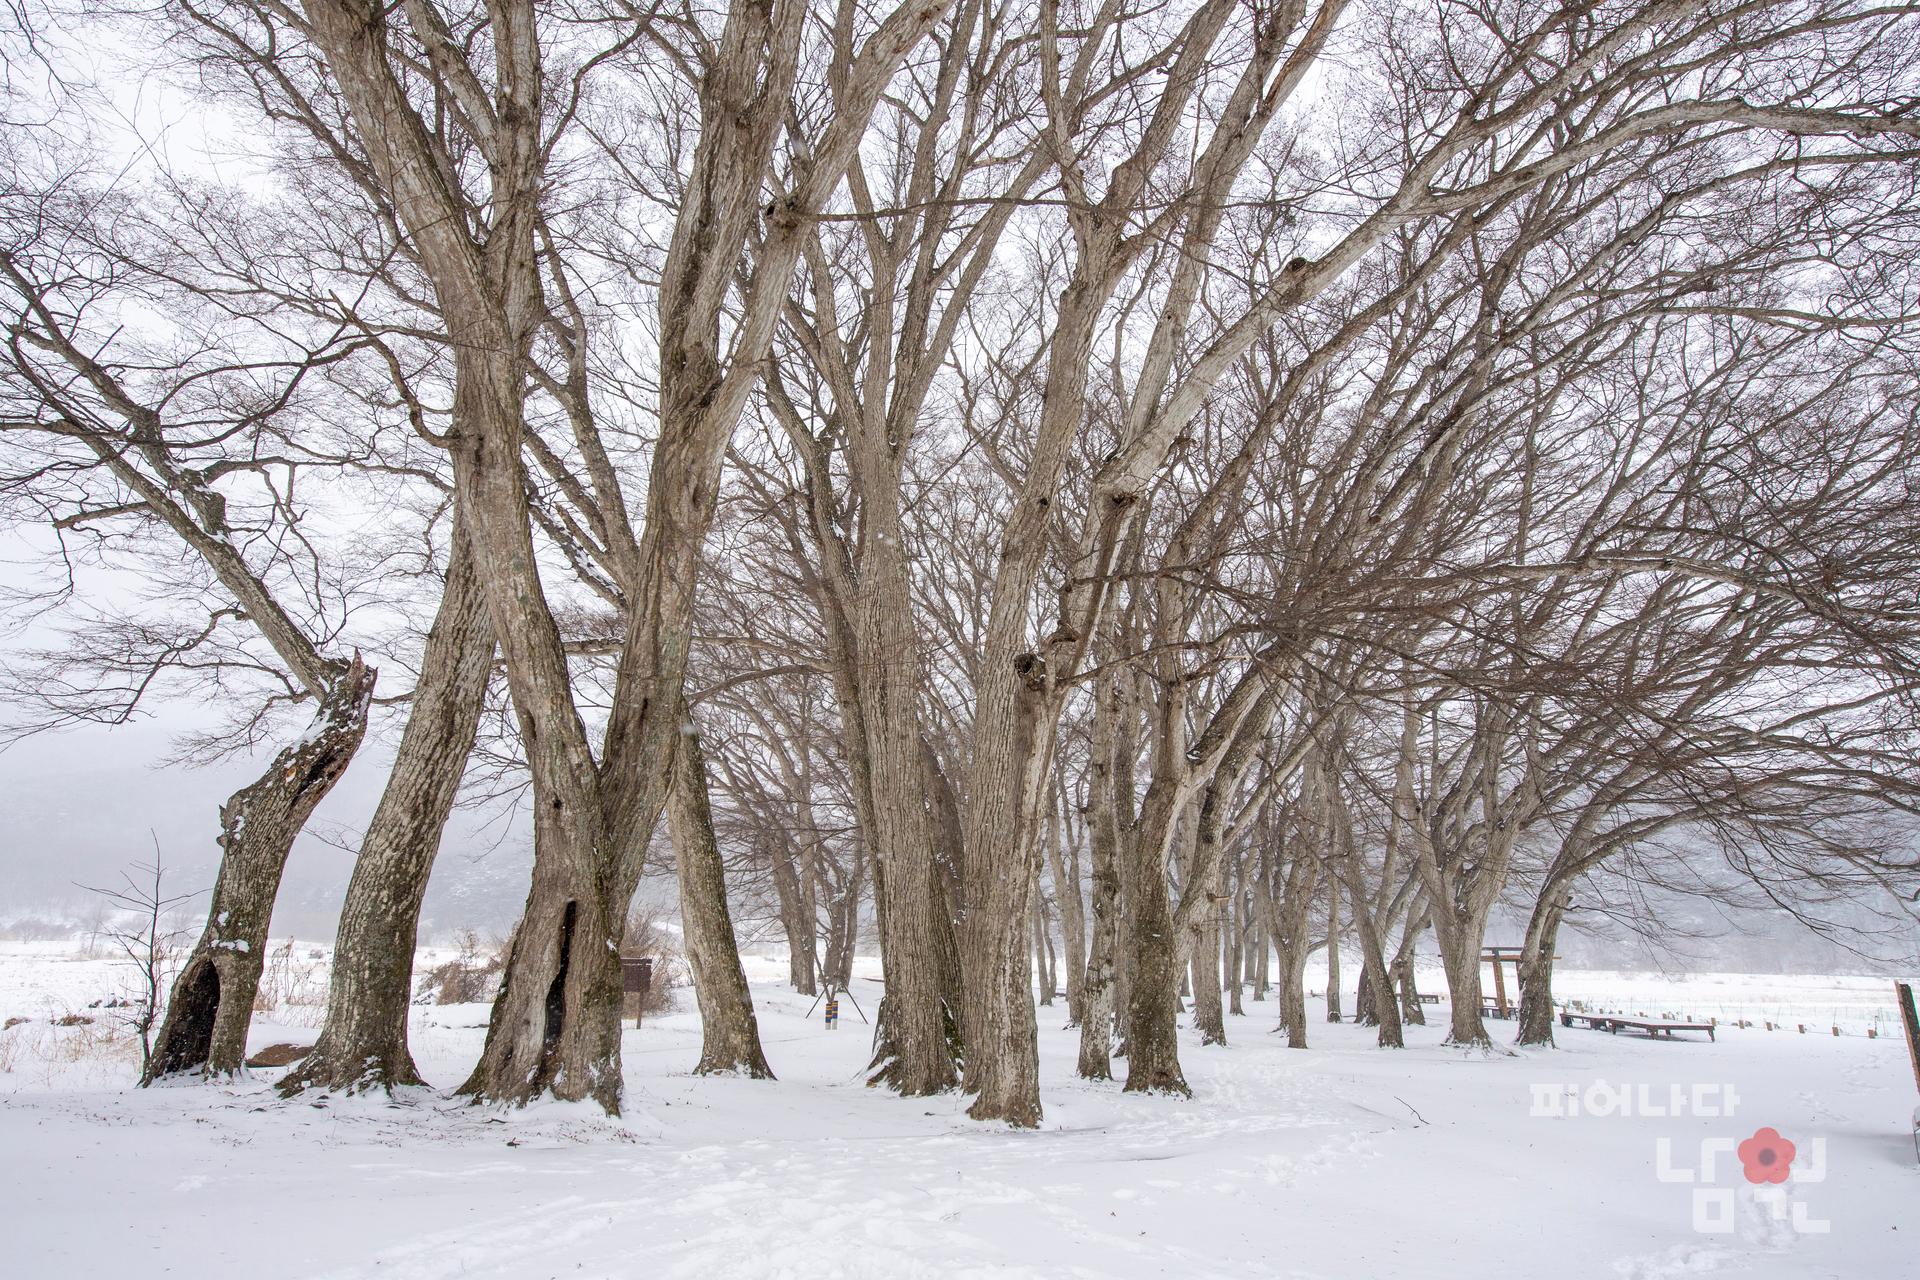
(1376, 991)
(796, 920)
(1365, 1013)
(1412, 1011)
(729, 1032)
(363, 1043)
(1376, 1003)
(1536, 968)
(211, 1007)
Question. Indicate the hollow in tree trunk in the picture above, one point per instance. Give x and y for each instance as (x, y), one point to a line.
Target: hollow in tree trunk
(556, 1022)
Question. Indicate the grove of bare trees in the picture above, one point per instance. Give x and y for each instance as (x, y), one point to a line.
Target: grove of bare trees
(1095, 500)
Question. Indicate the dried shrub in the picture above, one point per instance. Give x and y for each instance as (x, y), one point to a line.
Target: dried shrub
(287, 981)
(471, 977)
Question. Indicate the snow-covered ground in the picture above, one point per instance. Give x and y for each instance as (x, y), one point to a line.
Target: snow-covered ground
(1342, 1160)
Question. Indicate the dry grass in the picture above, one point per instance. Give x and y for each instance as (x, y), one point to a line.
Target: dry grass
(289, 981)
(472, 977)
(62, 1046)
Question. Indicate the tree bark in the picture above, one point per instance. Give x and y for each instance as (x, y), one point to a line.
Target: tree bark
(1460, 945)
(1412, 1011)
(914, 1038)
(1153, 955)
(1208, 1016)
(1536, 967)
(211, 1007)
(1109, 805)
(1234, 939)
(1043, 948)
(1291, 942)
(729, 1031)
(1333, 948)
(363, 1043)
(796, 918)
(1073, 912)
(1097, 990)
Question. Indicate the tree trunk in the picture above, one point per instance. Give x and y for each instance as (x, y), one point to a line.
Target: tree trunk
(914, 1038)
(1293, 993)
(1205, 966)
(1333, 949)
(843, 929)
(556, 1022)
(1003, 1063)
(1043, 948)
(1377, 991)
(796, 918)
(1536, 968)
(729, 1032)
(1412, 1011)
(363, 1043)
(211, 1007)
(1365, 1010)
(1262, 956)
(1460, 953)
(1290, 932)
(1073, 917)
(1153, 1004)
(1234, 941)
(1097, 991)
(1376, 1001)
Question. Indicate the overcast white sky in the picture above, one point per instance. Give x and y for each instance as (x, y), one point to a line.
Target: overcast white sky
(78, 805)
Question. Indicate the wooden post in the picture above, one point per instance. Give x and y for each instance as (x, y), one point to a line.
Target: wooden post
(636, 979)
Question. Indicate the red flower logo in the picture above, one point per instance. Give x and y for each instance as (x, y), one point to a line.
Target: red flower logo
(1768, 1157)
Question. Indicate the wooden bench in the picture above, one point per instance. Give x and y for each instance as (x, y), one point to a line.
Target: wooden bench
(1613, 1022)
